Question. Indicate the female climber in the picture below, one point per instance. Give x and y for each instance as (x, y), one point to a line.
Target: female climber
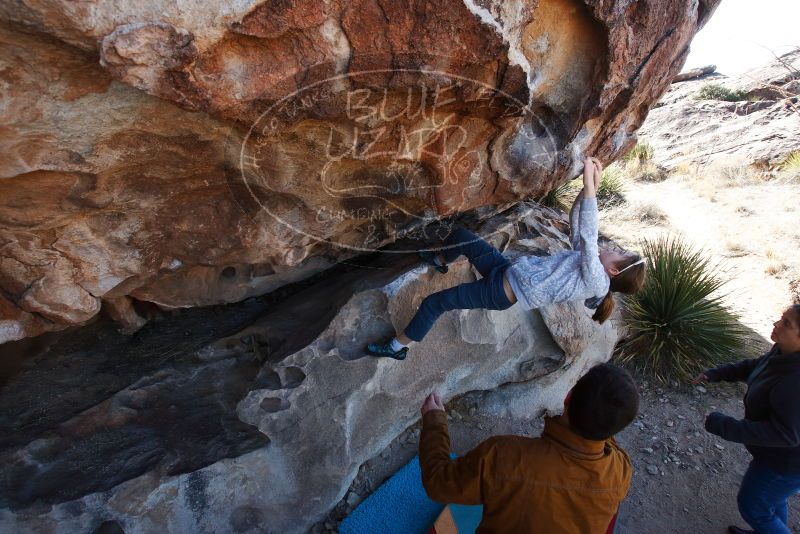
(584, 273)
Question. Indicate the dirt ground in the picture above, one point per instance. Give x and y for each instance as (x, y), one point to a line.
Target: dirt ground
(686, 479)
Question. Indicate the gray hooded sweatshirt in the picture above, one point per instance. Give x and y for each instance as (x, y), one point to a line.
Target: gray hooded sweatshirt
(568, 275)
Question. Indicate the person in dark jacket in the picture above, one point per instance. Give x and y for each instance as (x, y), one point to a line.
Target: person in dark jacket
(770, 429)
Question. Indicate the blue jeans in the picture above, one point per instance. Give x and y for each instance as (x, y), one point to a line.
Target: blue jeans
(486, 293)
(762, 499)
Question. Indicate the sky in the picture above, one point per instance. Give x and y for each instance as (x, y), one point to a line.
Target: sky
(741, 33)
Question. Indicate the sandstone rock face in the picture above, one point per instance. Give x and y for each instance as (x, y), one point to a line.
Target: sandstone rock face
(263, 430)
(192, 153)
(760, 129)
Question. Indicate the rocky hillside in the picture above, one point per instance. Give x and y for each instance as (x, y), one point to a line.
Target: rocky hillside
(757, 125)
(179, 154)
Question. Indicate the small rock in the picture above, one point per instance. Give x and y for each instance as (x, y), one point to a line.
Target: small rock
(353, 499)
(653, 470)
(670, 423)
(720, 447)
(647, 450)
(681, 417)
(701, 389)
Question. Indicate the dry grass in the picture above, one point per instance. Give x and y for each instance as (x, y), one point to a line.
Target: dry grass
(775, 268)
(649, 172)
(638, 165)
(738, 175)
(648, 213)
(735, 248)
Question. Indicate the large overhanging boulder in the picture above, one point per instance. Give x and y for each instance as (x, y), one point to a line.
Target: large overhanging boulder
(265, 429)
(192, 153)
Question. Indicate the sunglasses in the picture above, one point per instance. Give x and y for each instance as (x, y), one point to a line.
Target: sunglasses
(632, 265)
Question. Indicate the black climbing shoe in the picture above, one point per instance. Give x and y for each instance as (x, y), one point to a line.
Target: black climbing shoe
(736, 530)
(430, 258)
(384, 350)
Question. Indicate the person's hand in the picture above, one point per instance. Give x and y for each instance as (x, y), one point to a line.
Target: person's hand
(714, 423)
(700, 379)
(589, 170)
(598, 173)
(432, 402)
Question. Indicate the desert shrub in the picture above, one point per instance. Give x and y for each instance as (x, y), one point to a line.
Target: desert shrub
(788, 171)
(561, 196)
(715, 91)
(741, 174)
(641, 153)
(649, 172)
(677, 323)
(791, 163)
(612, 187)
(610, 192)
(648, 212)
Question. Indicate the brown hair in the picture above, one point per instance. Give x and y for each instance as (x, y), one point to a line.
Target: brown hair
(796, 309)
(630, 281)
(604, 401)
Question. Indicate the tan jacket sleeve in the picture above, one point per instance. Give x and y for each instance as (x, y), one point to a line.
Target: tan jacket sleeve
(446, 480)
(626, 468)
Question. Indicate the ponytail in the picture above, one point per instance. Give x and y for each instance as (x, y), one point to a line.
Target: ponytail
(605, 308)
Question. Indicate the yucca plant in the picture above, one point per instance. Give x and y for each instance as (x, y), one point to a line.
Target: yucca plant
(791, 163)
(641, 153)
(677, 323)
(560, 197)
(612, 187)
